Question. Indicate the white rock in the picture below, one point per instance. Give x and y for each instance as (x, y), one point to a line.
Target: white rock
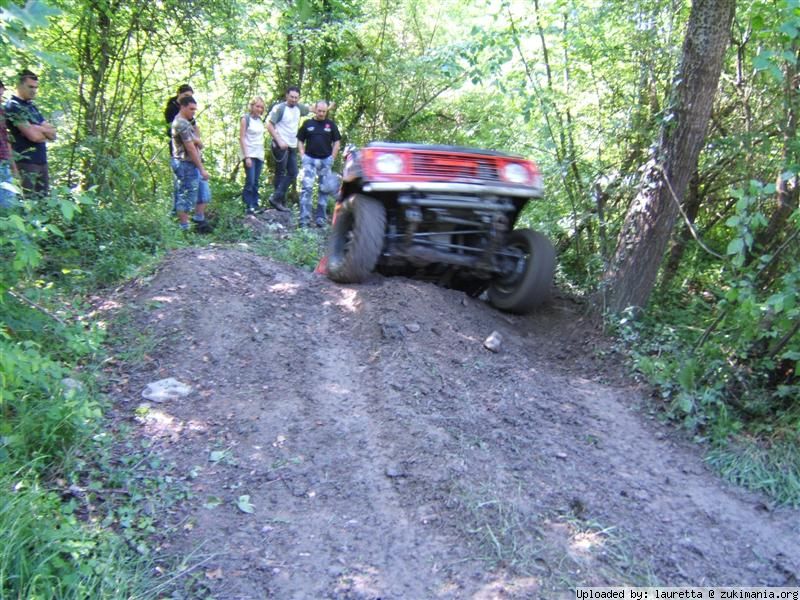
(493, 342)
(165, 389)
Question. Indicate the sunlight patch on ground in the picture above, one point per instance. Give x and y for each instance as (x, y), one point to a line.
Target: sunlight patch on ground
(160, 424)
(448, 588)
(257, 455)
(349, 300)
(95, 315)
(167, 299)
(365, 583)
(199, 426)
(207, 256)
(585, 543)
(335, 388)
(108, 305)
(284, 288)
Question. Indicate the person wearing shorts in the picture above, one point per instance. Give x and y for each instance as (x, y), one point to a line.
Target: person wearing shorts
(190, 172)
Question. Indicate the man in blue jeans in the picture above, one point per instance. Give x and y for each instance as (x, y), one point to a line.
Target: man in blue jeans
(170, 112)
(318, 142)
(190, 170)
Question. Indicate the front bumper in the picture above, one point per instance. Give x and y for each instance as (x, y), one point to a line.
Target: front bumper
(468, 189)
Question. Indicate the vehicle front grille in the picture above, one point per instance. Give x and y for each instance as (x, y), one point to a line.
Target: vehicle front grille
(432, 165)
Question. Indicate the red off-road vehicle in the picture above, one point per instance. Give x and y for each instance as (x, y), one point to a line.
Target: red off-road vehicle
(445, 214)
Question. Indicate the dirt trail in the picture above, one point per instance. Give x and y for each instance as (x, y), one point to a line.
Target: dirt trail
(388, 455)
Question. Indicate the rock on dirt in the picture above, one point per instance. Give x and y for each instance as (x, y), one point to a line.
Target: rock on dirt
(494, 342)
(165, 389)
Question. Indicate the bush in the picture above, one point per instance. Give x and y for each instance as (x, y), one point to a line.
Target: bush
(106, 241)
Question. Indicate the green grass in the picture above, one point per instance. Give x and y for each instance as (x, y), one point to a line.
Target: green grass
(77, 518)
(65, 535)
(770, 468)
(48, 552)
(561, 551)
(107, 241)
(128, 342)
(298, 247)
(302, 248)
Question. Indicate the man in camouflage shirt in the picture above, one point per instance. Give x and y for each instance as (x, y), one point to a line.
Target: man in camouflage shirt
(190, 169)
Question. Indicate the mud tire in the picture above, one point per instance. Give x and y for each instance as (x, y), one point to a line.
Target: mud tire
(356, 239)
(531, 282)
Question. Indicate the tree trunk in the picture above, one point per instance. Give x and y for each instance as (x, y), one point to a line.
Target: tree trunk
(651, 217)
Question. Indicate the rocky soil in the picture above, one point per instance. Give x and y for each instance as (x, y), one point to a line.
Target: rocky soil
(361, 442)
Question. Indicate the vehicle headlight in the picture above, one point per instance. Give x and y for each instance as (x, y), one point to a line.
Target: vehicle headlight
(516, 173)
(389, 164)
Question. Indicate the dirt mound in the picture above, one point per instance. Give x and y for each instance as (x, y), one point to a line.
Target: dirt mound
(361, 442)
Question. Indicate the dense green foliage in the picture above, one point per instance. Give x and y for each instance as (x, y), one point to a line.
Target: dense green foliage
(47, 420)
(582, 87)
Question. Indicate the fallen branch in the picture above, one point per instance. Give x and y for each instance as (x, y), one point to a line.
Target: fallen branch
(33, 304)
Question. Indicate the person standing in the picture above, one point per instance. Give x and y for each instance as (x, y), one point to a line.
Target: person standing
(318, 141)
(251, 142)
(190, 170)
(30, 133)
(170, 112)
(173, 108)
(7, 165)
(282, 124)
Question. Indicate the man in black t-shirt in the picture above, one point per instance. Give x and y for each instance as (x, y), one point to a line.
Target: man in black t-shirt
(318, 142)
(29, 132)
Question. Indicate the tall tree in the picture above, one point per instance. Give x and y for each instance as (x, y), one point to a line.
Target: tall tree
(651, 217)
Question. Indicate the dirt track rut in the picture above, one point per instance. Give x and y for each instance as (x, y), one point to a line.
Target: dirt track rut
(387, 454)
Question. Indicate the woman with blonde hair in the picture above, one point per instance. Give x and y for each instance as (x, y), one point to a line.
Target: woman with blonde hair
(251, 141)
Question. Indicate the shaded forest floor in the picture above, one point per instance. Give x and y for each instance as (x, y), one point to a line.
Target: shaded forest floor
(360, 442)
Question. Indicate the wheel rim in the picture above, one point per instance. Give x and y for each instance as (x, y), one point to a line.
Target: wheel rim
(508, 282)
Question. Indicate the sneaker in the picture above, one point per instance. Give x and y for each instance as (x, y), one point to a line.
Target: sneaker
(303, 225)
(321, 223)
(250, 211)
